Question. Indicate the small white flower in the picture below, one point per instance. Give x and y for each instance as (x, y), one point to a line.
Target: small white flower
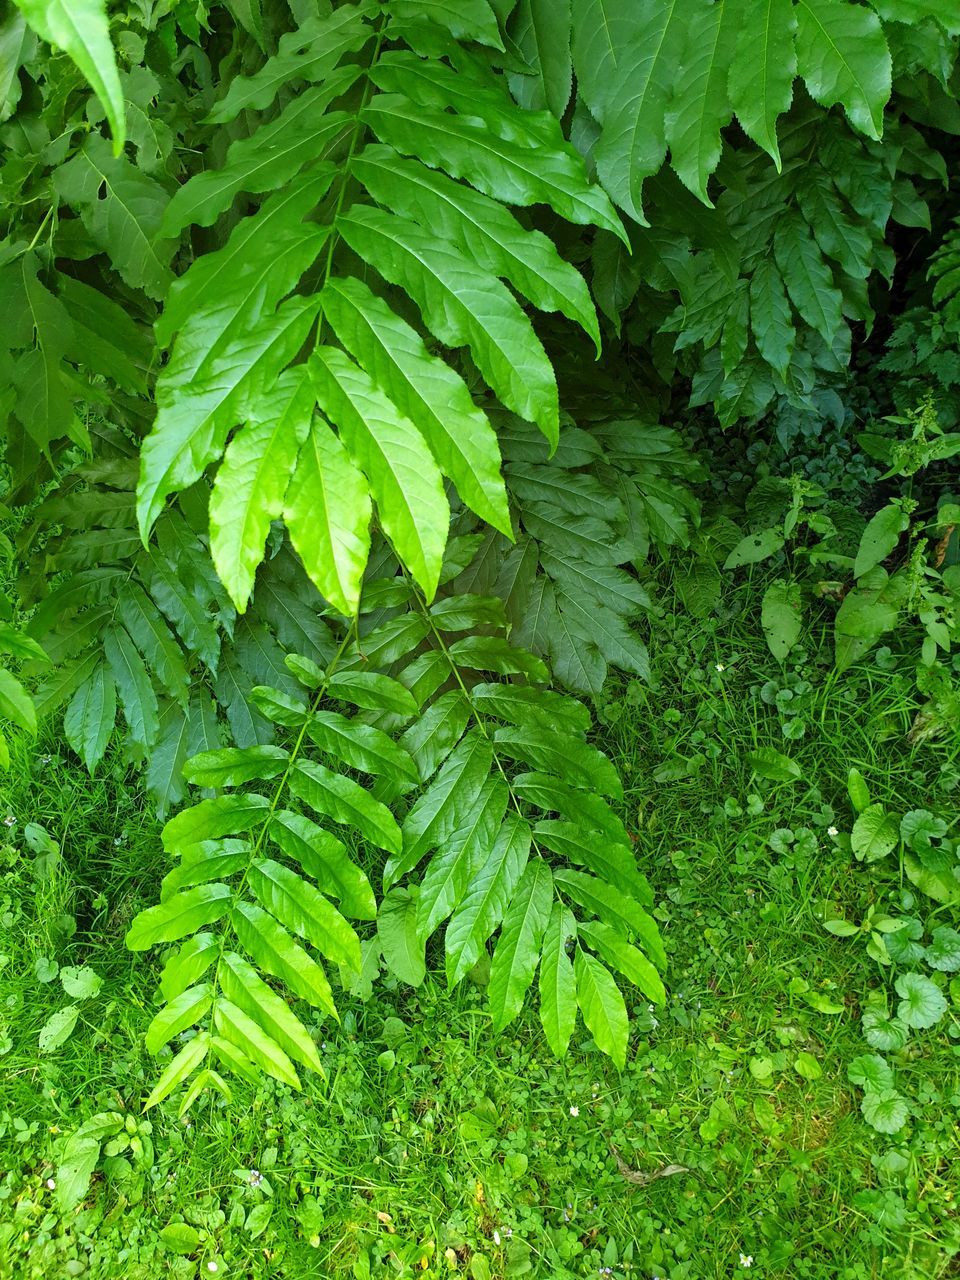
(746, 1259)
(212, 1266)
(256, 1177)
(832, 831)
(9, 820)
(51, 1184)
(574, 1111)
(719, 667)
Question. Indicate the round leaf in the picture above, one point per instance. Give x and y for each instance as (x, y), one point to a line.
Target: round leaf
(943, 952)
(887, 1111)
(922, 1003)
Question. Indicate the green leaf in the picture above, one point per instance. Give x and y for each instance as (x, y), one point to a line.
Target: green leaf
(184, 1011)
(780, 617)
(700, 108)
(753, 548)
(495, 157)
(267, 160)
(633, 142)
(81, 29)
(843, 57)
(887, 1111)
(522, 705)
(134, 686)
(180, 1238)
(249, 1037)
(263, 258)
(301, 907)
(943, 953)
(558, 988)
(880, 537)
(201, 863)
(244, 987)
(490, 653)
(180, 915)
(767, 762)
(307, 55)
(615, 908)
(252, 481)
(16, 704)
(344, 801)
(875, 834)
(919, 828)
(324, 858)
(460, 855)
(871, 1072)
(608, 631)
(771, 320)
(151, 635)
(230, 1055)
(581, 807)
(604, 585)
(490, 892)
(575, 762)
(393, 456)
(602, 1007)
(20, 645)
(80, 982)
(232, 766)
(278, 707)
(58, 1028)
(372, 692)
(518, 948)
(269, 944)
(444, 806)
(179, 1069)
(360, 746)
(423, 387)
(481, 227)
(883, 1032)
(857, 790)
(17, 44)
(601, 37)
(808, 278)
(194, 625)
(807, 1066)
(627, 959)
(402, 945)
(922, 1003)
(195, 416)
(211, 819)
(603, 854)
(188, 964)
(867, 611)
(122, 209)
(461, 305)
(542, 33)
(761, 74)
(79, 1157)
(464, 19)
(327, 512)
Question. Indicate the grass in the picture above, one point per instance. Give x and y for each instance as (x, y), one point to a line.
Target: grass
(434, 1148)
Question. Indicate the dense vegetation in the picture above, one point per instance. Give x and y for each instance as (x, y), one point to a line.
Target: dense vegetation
(480, 587)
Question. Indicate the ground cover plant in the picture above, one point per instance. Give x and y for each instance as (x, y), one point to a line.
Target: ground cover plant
(480, 587)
